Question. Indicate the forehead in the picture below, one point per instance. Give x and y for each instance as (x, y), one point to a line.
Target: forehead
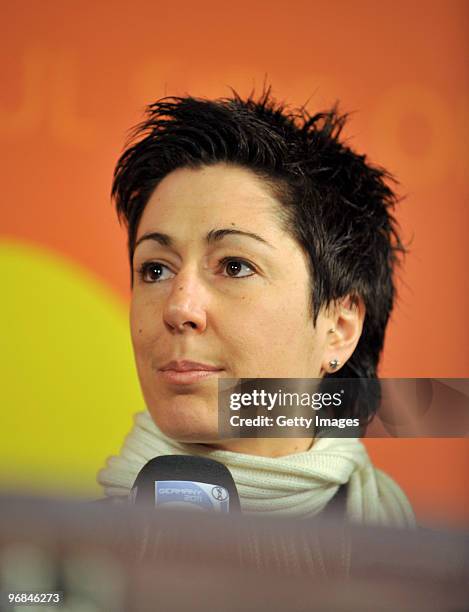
(209, 196)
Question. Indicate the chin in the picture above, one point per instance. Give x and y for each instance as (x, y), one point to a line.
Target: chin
(188, 424)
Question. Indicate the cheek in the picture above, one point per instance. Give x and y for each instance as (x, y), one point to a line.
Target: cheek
(143, 330)
(267, 332)
(279, 318)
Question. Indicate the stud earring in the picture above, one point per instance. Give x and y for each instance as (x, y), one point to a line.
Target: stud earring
(334, 364)
(331, 331)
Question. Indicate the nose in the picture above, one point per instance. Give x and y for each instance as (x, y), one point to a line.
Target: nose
(185, 306)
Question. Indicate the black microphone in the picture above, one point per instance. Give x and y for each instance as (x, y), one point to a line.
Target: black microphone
(186, 482)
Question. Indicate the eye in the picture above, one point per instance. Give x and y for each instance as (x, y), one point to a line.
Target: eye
(153, 272)
(235, 266)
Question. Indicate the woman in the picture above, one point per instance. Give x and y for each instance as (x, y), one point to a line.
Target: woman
(260, 247)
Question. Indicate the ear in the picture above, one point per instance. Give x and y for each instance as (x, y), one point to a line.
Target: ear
(345, 320)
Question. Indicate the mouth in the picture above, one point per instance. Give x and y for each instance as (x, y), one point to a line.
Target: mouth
(187, 372)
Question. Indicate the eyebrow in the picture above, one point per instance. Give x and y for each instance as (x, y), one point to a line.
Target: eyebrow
(214, 235)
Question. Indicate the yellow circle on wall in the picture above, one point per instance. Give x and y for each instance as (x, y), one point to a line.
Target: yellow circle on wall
(69, 386)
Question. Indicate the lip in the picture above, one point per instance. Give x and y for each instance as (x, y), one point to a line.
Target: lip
(189, 366)
(187, 372)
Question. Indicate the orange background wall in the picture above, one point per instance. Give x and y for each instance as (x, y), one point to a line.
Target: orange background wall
(76, 75)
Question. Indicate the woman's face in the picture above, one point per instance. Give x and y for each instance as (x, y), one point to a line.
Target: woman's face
(217, 281)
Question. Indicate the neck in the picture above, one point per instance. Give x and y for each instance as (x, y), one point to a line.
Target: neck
(264, 447)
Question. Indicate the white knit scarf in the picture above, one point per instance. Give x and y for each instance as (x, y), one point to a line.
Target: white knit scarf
(295, 485)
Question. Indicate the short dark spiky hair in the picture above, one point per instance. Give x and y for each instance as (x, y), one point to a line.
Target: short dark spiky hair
(335, 203)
